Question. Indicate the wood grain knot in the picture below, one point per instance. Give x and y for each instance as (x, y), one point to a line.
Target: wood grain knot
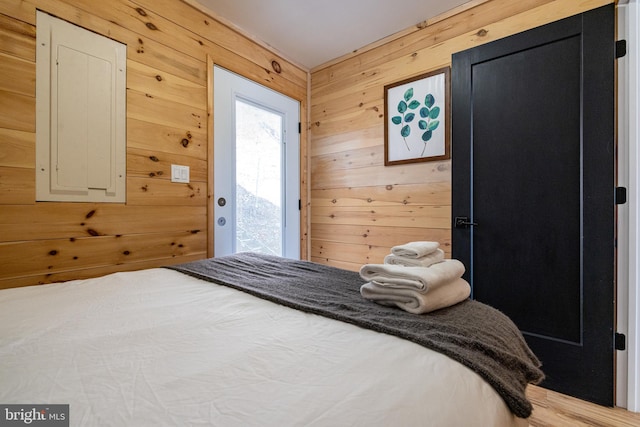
(141, 11)
(53, 252)
(92, 232)
(90, 214)
(159, 78)
(389, 187)
(126, 253)
(276, 66)
(151, 26)
(184, 142)
(482, 33)
(154, 159)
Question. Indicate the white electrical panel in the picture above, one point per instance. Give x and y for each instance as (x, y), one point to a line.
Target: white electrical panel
(80, 114)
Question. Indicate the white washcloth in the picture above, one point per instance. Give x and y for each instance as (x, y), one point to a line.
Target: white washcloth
(420, 279)
(417, 302)
(415, 249)
(424, 261)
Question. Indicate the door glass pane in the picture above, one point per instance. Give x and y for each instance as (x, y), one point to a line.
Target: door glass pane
(258, 179)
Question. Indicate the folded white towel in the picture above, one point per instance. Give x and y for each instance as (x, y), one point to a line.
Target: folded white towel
(417, 278)
(424, 261)
(417, 302)
(415, 249)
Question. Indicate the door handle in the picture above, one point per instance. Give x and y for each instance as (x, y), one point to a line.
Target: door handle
(463, 222)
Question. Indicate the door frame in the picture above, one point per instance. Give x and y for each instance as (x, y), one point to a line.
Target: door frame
(628, 292)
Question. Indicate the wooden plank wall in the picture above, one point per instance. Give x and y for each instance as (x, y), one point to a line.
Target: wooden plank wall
(360, 208)
(168, 46)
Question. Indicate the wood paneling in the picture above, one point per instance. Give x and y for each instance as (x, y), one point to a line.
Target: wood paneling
(381, 236)
(77, 220)
(168, 115)
(153, 109)
(17, 38)
(159, 192)
(17, 186)
(17, 112)
(353, 195)
(151, 81)
(51, 256)
(437, 194)
(166, 139)
(18, 75)
(87, 273)
(18, 148)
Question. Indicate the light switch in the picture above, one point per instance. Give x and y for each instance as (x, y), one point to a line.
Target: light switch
(179, 173)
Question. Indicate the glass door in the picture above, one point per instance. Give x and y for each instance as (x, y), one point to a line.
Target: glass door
(256, 168)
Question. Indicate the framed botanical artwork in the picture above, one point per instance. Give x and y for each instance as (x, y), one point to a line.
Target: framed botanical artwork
(417, 119)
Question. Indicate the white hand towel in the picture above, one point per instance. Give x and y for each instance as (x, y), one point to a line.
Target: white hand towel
(421, 279)
(424, 261)
(415, 249)
(417, 302)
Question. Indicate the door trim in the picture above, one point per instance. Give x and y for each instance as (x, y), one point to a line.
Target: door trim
(629, 275)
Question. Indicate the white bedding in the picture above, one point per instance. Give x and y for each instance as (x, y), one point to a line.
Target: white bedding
(159, 348)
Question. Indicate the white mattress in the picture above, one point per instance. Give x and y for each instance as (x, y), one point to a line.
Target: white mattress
(159, 348)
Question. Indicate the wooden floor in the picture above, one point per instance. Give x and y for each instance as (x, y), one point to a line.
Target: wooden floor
(558, 410)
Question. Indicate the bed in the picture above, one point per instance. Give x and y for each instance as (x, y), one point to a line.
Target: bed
(236, 341)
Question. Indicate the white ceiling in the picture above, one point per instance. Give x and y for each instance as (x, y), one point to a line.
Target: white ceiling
(312, 32)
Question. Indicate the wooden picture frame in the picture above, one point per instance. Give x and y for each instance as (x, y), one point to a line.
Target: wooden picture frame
(417, 115)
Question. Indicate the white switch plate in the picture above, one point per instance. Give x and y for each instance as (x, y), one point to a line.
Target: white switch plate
(179, 173)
